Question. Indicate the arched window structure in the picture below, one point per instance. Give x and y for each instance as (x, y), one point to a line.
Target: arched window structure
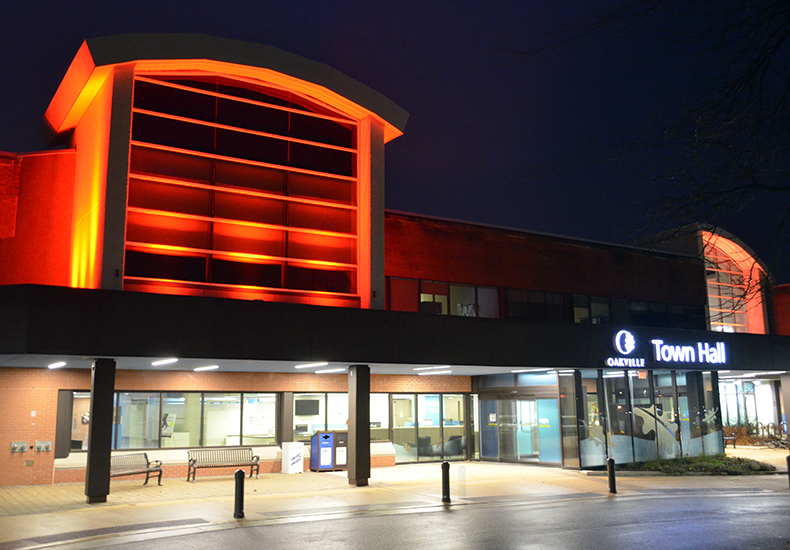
(236, 188)
(735, 280)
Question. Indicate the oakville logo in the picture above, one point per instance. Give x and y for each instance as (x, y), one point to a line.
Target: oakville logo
(624, 342)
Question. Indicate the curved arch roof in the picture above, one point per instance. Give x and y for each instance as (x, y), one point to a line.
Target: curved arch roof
(97, 56)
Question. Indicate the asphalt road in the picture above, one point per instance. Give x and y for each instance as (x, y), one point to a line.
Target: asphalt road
(656, 520)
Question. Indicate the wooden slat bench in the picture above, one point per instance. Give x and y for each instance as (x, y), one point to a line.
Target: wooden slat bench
(220, 458)
(729, 438)
(133, 464)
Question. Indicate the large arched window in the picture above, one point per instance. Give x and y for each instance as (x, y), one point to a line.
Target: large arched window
(735, 282)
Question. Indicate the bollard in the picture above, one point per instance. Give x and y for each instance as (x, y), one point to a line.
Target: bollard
(238, 512)
(612, 481)
(446, 482)
(788, 468)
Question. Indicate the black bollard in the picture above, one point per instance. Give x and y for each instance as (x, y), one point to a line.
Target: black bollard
(238, 513)
(446, 482)
(788, 468)
(612, 481)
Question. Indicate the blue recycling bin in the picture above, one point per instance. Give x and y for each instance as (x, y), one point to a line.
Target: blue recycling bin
(328, 451)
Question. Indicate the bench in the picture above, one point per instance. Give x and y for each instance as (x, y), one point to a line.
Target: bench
(133, 464)
(220, 458)
(729, 438)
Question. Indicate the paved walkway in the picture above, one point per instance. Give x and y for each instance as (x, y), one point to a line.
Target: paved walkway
(57, 515)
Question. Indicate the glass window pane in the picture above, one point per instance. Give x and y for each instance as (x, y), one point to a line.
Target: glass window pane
(260, 419)
(138, 420)
(337, 412)
(433, 297)
(599, 311)
(462, 301)
(666, 419)
(454, 428)
(379, 417)
(429, 439)
(404, 435)
(181, 419)
(592, 440)
(309, 415)
(81, 415)
(711, 418)
(488, 302)
(581, 309)
(619, 416)
(645, 423)
(568, 421)
(221, 419)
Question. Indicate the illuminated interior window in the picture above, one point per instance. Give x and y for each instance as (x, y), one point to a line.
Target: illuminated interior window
(734, 281)
(239, 190)
(726, 292)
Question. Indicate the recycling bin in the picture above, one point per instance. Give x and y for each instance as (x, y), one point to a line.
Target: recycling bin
(328, 451)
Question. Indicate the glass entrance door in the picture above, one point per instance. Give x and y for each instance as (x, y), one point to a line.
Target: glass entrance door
(518, 430)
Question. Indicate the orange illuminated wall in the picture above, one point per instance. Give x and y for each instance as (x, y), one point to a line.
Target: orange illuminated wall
(208, 177)
(781, 303)
(735, 286)
(39, 252)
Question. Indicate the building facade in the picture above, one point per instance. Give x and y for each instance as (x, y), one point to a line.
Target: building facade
(203, 259)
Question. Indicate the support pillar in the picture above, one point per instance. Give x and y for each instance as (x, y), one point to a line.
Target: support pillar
(358, 425)
(97, 475)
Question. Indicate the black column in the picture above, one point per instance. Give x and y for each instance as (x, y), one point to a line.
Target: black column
(358, 425)
(97, 475)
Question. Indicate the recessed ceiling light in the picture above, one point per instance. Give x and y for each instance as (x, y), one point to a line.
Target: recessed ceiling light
(430, 372)
(210, 367)
(326, 371)
(164, 362)
(57, 365)
(311, 365)
(443, 367)
(530, 370)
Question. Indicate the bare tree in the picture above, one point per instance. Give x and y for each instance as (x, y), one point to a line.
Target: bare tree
(727, 152)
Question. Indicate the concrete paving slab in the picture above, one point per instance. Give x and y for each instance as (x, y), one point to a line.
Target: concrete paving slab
(31, 514)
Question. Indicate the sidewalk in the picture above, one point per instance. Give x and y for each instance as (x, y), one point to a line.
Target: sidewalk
(31, 516)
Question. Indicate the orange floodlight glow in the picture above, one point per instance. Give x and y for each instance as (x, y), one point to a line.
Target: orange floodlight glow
(753, 275)
(92, 138)
(83, 104)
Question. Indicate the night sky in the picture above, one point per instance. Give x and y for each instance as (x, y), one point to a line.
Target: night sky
(535, 142)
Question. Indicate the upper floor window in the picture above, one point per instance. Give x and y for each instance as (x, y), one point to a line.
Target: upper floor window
(241, 190)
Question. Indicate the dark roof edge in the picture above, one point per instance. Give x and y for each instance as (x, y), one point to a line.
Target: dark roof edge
(124, 48)
(578, 240)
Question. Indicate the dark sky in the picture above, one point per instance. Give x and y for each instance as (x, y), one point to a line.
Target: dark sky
(533, 142)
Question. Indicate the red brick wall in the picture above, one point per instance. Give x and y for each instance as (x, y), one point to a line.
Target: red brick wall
(40, 250)
(438, 250)
(23, 391)
(781, 304)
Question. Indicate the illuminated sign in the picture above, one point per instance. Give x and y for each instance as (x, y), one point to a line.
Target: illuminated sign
(700, 352)
(625, 344)
(703, 352)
